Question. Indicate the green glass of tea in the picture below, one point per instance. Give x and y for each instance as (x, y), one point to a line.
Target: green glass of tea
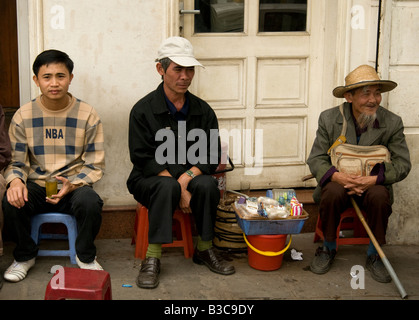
(51, 187)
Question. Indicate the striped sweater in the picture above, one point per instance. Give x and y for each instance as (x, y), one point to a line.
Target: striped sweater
(68, 143)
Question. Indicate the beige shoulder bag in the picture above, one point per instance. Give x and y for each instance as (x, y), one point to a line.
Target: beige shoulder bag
(354, 159)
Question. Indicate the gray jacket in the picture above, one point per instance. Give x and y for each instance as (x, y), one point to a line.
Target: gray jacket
(390, 134)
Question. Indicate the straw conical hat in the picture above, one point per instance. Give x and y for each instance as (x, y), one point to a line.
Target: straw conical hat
(363, 76)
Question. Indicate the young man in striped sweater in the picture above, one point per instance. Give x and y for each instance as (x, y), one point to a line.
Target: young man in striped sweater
(59, 136)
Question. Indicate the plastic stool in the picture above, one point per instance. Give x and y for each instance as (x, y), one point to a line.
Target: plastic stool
(182, 226)
(360, 235)
(55, 217)
(75, 283)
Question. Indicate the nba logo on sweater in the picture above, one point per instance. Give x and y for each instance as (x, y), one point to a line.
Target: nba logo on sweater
(54, 134)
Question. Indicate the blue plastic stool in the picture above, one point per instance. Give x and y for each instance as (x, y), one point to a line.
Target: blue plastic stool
(55, 217)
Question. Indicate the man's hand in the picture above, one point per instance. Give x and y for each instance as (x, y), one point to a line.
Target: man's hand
(17, 193)
(356, 185)
(67, 188)
(185, 196)
(359, 185)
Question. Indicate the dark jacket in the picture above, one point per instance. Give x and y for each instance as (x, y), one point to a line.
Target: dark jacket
(390, 134)
(149, 116)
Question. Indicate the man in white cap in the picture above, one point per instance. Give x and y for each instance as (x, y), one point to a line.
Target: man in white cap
(367, 124)
(165, 128)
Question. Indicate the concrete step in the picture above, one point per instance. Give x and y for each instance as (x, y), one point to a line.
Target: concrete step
(118, 222)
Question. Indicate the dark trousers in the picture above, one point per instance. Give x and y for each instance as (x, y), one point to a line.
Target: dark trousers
(161, 195)
(84, 203)
(375, 202)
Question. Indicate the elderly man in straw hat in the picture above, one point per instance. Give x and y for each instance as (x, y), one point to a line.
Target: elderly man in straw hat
(367, 124)
(167, 172)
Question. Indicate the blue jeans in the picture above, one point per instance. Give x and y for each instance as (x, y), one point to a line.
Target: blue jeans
(84, 203)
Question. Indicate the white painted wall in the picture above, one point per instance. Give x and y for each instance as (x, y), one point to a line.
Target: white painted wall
(398, 61)
(113, 45)
(401, 60)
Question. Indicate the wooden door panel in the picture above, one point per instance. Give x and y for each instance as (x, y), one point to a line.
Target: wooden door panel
(9, 80)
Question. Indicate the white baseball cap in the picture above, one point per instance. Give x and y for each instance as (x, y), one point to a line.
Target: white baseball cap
(179, 50)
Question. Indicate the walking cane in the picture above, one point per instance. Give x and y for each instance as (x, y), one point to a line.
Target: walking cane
(380, 252)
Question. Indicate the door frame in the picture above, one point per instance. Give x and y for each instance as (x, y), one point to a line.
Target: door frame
(30, 22)
(325, 45)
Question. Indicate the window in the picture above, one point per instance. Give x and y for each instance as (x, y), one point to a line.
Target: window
(219, 16)
(282, 15)
(225, 16)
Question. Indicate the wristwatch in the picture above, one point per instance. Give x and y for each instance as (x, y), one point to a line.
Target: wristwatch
(190, 173)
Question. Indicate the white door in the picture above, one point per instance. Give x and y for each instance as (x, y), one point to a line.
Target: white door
(263, 63)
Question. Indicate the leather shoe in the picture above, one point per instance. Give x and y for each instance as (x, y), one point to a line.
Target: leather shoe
(322, 260)
(213, 261)
(378, 271)
(148, 278)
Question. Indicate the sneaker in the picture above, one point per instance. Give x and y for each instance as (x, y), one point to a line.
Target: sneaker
(378, 271)
(322, 260)
(18, 270)
(94, 265)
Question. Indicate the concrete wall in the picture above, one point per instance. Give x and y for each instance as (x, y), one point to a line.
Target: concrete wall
(399, 56)
(113, 45)
(398, 61)
(356, 44)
